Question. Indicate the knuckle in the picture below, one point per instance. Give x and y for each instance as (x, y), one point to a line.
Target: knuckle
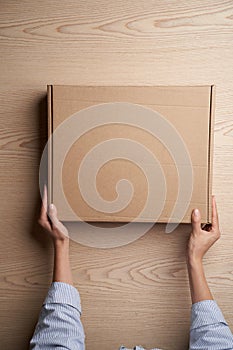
(41, 222)
(55, 228)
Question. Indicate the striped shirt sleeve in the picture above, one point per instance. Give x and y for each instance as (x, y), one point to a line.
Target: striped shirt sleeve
(209, 330)
(59, 325)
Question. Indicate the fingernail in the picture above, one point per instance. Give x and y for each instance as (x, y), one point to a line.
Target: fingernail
(51, 206)
(196, 212)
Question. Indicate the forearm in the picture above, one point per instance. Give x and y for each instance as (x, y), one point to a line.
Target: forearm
(61, 269)
(208, 328)
(198, 285)
(59, 324)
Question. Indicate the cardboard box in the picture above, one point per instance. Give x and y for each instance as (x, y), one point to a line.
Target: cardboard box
(136, 118)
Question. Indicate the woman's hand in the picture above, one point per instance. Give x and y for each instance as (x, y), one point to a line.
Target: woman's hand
(59, 234)
(49, 221)
(202, 239)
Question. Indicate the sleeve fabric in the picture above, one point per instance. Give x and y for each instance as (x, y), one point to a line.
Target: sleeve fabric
(59, 325)
(209, 330)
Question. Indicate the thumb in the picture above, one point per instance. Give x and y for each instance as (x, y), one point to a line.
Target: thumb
(53, 215)
(196, 220)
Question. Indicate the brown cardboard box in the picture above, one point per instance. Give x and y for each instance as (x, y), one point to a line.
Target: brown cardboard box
(135, 124)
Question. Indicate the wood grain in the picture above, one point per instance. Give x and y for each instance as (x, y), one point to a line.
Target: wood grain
(138, 293)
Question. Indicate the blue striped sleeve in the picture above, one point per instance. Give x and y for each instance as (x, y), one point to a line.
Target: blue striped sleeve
(59, 325)
(209, 330)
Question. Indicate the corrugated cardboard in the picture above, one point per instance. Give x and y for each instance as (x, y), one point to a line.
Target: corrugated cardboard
(190, 109)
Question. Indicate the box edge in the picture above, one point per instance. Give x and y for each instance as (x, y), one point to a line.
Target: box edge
(50, 145)
(211, 149)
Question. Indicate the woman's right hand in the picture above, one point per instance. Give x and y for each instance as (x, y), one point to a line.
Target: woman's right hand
(202, 239)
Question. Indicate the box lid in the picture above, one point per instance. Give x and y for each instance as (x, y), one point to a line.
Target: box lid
(130, 153)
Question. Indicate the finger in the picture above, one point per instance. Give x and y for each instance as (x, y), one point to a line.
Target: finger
(215, 223)
(53, 215)
(43, 212)
(45, 224)
(196, 220)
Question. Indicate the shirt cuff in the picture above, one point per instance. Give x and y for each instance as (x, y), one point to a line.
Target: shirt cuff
(63, 293)
(204, 313)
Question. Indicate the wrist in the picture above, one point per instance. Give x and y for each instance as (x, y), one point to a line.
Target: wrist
(193, 261)
(61, 244)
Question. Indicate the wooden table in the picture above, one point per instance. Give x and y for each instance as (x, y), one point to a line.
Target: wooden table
(138, 293)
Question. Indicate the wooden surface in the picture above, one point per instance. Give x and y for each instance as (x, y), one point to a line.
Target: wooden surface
(135, 294)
